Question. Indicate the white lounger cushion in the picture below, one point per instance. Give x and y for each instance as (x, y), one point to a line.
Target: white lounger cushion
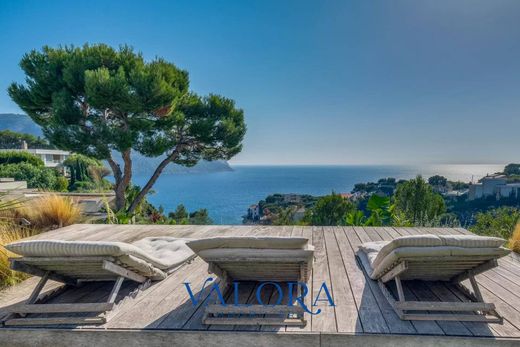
(161, 252)
(379, 257)
(257, 258)
(257, 242)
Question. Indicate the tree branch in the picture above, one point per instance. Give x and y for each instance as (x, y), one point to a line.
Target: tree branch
(154, 178)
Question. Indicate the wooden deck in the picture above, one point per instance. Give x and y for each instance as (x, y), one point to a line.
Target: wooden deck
(360, 313)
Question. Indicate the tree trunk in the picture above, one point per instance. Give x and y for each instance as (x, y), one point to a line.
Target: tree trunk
(122, 178)
(151, 181)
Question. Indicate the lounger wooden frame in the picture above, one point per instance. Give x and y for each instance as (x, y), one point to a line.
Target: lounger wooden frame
(475, 311)
(53, 268)
(217, 314)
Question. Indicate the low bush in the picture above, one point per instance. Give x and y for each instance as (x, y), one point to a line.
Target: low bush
(498, 222)
(514, 241)
(36, 177)
(11, 232)
(51, 211)
(16, 157)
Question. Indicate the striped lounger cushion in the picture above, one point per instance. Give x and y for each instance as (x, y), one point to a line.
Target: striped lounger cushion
(146, 255)
(380, 256)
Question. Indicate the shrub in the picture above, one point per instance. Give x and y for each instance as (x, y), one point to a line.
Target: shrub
(497, 222)
(51, 211)
(514, 241)
(16, 157)
(86, 173)
(10, 232)
(331, 210)
(62, 184)
(36, 177)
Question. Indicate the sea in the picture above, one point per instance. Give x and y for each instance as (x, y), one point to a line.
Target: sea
(227, 195)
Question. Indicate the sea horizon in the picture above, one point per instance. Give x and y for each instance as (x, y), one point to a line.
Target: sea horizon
(227, 194)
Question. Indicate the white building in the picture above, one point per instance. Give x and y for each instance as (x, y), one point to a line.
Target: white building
(253, 212)
(51, 157)
(493, 185)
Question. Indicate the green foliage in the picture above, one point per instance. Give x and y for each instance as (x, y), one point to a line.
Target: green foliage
(86, 174)
(61, 184)
(285, 217)
(331, 210)
(386, 185)
(13, 140)
(200, 217)
(95, 99)
(355, 218)
(181, 216)
(16, 157)
(380, 211)
(438, 181)
(417, 201)
(498, 222)
(458, 185)
(37, 177)
(512, 169)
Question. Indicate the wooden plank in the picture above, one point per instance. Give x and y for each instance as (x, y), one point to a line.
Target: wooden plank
(511, 325)
(271, 296)
(372, 234)
(32, 270)
(347, 317)
(37, 290)
(326, 320)
(60, 308)
(443, 292)
(117, 286)
(373, 309)
(391, 232)
(161, 298)
(383, 233)
(448, 318)
(362, 235)
(245, 294)
(396, 271)
(306, 232)
(253, 321)
(424, 294)
(54, 321)
(444, 306)
(123, 272)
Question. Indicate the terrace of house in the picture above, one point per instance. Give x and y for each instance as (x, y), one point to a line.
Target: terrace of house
(164, 313)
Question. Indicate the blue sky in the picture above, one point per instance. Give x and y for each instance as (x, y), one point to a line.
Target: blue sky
(321, 82)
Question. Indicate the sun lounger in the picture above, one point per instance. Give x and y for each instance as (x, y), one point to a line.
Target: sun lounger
(262, 259)
(74, 262)
(453, 258)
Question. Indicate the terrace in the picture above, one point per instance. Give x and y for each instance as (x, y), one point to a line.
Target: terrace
(163, 314)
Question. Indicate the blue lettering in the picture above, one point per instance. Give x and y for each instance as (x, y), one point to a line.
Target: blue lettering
(259, 291)
(326, 290)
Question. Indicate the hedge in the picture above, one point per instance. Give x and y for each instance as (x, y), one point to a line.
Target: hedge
(36, 177)
(16, 157)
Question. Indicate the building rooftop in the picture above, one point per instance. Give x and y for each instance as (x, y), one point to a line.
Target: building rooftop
(163, 314)
(39, 151)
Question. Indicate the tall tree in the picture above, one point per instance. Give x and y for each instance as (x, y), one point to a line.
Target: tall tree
(438, 181)
(417, 201)
(13, 140)
(96, 100)
(331, 210)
